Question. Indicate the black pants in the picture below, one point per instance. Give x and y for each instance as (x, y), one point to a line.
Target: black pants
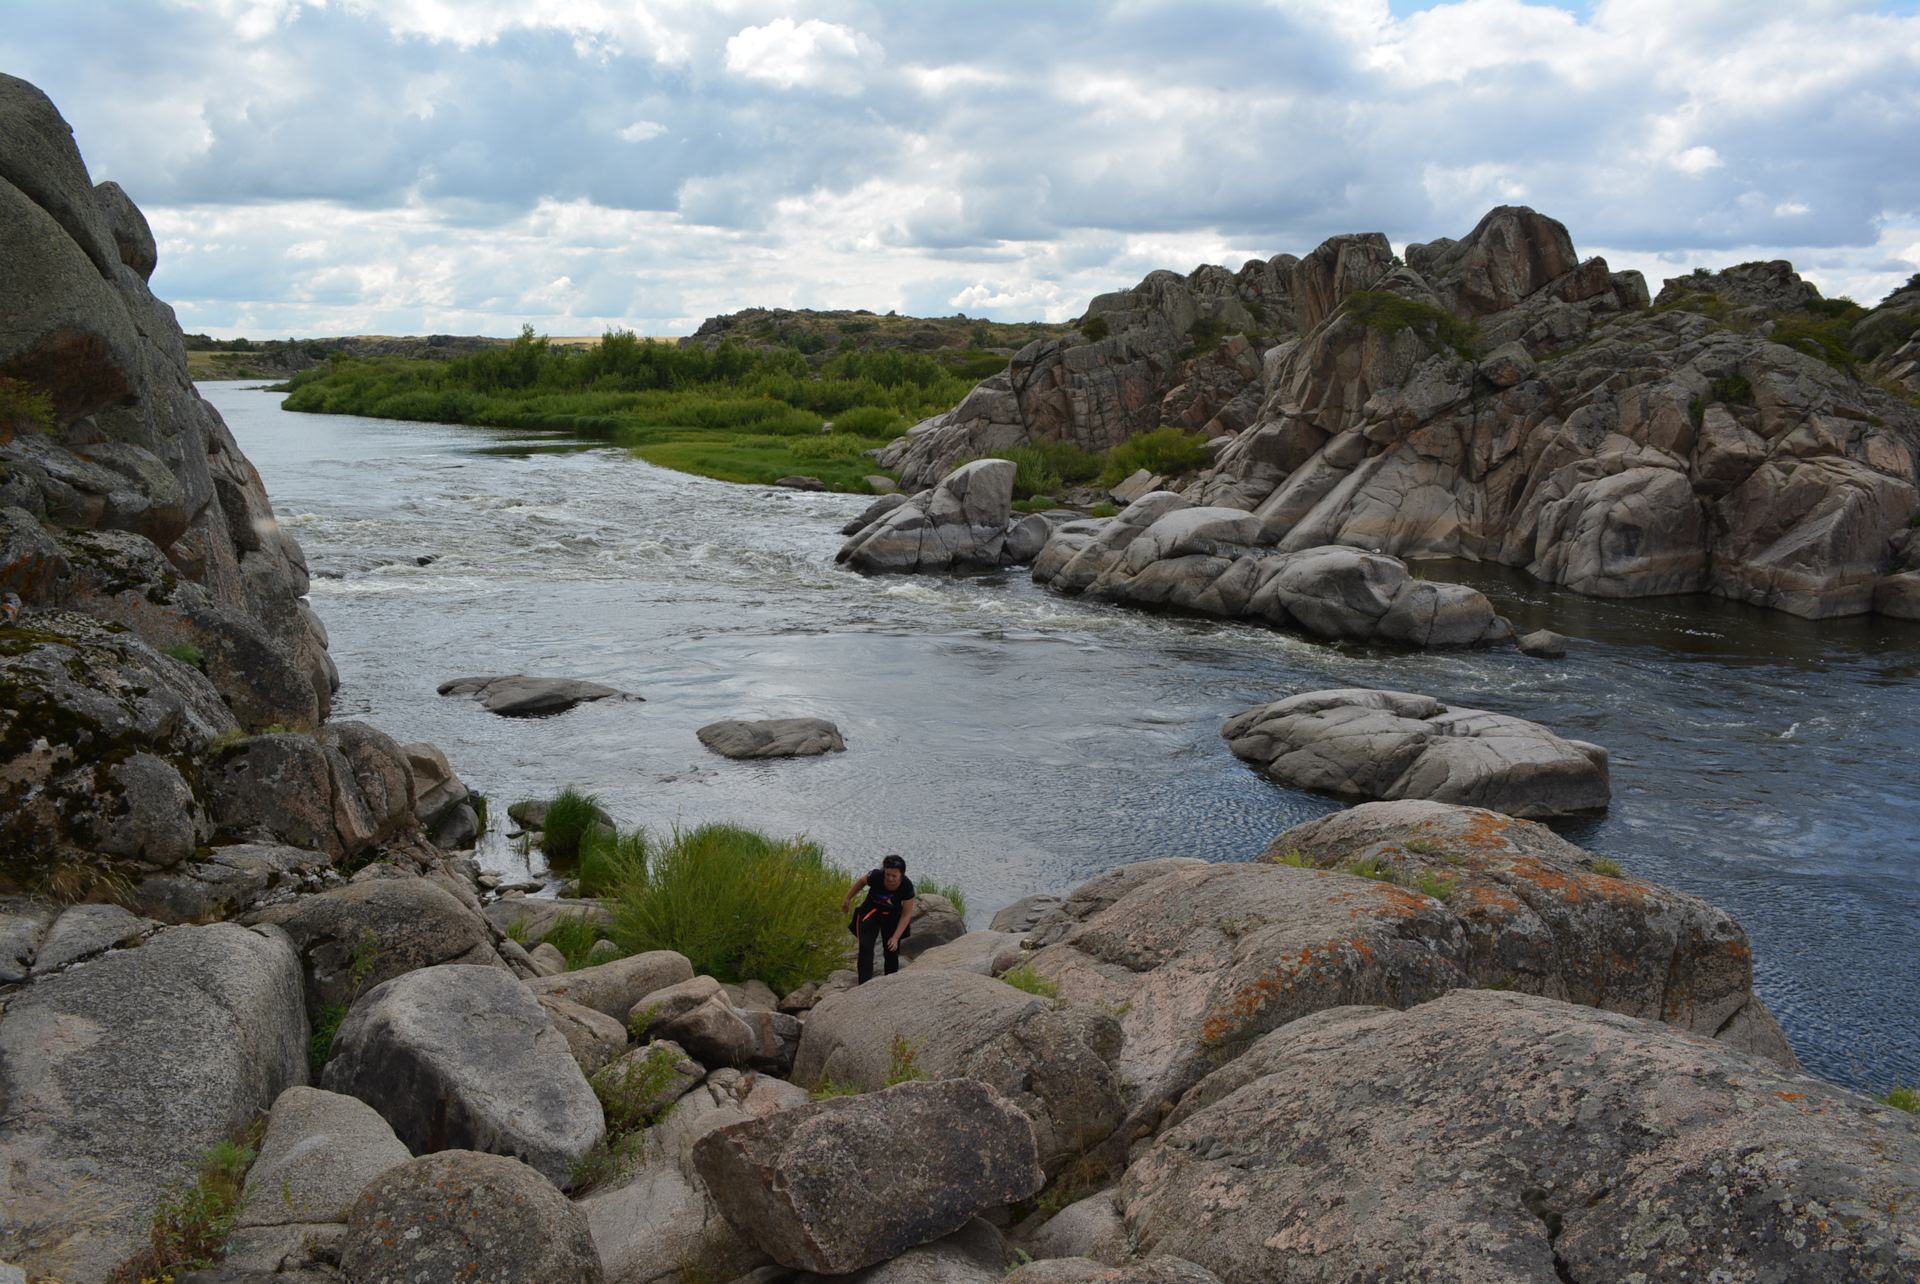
(879, 929)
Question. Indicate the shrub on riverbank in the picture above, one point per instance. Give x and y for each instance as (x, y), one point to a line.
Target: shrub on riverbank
(740, 905)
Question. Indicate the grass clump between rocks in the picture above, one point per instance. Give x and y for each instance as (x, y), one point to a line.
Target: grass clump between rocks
(570, 816)
(1161, 451)
(902, 1060)
(1025, 978)
(951, 892)
(1907, 1099)
(187, 653)
(194, 1217)
(1607, 867)
(740, 905)
(1389, 314)
(609, 861)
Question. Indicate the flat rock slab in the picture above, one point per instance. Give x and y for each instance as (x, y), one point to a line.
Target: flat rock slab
(773, 738)
(320, 1150)
(842, 1184)
(1506, 1137)
(519, 696)
(465, 1057)
(87, 929)
(1394, 744)
(461, 1215)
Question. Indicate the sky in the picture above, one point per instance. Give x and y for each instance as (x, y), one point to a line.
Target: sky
(325, 167)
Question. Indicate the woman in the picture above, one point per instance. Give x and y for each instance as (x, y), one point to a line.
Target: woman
(885, 916)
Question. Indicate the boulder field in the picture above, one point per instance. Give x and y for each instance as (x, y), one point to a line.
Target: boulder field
(1494, 398)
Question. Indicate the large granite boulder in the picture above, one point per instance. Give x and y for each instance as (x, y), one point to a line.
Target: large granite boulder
(974, 1254)
(464, 1057)
(231, 881)
(320, 1150)
(614, 988)
(122, 1073)
(1055, 1063)
(354, 938)
(961, 524)
(460, 1214)
(1199, 960)
(536, 915)
(1513, 1137)
(932, 1155)
(1394, 744)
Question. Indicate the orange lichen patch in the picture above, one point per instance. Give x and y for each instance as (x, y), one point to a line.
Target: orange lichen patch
(1579, 886)
(1790, 1096)
(1305, 966)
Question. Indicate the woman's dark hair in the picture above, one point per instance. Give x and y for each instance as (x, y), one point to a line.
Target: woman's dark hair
(895, 862)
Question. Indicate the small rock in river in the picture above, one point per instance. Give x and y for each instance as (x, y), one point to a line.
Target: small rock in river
(774, 738)
(519, 696)
(1543, 644)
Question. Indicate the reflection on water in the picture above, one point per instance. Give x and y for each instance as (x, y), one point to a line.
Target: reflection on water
(1012, 741)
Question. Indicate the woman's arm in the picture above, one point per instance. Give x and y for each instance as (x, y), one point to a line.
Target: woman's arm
(906, 917)
(846, 902)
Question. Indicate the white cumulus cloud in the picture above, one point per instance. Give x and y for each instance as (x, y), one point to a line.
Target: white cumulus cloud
(813, 54)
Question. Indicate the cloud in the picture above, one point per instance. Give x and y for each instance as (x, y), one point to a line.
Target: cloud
(355, 163)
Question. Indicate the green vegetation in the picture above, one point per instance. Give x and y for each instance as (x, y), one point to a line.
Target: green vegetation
(1095, 328)
(1385, 313)
(729, 412)
(478, 801)
(950, 891)
(1441, 889)
(570, 816)
(739, 904)
(1161, 451)
(902, 1055)
(1907, 1099)
(194, 1217)
(834, 1088)
(612, 1160)
(1607, 867)
(1378, 868)
(1204, 337)
(23, 407)
(1734, 390)
(1043, 467)
(326, 1022)
(187, 653)
(1825, 334)
(1025, 978)
(574, 936)
(610, 860)
(1294, 857)
(634, 1090)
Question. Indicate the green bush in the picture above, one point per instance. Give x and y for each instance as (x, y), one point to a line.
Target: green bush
(574, 936)
(22, 406)
(1163, 451)
(870, 421)
(836, 446)
(1907, 1099)
(1734, 390)
(740, 905)
(1204, 337)
(1095, 328)
(1386, 313)
(1033, 474)
(569, 816)
(1825, 337)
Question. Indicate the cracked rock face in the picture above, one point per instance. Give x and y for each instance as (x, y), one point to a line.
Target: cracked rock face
(1507, 1137)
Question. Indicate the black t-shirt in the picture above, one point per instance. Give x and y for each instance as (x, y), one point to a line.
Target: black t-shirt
(888, 903)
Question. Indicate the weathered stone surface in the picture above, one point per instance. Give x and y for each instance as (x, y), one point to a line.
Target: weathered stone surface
(1510, 1137)
(121, 1073)
(520, 696)
(1200, 960)
(935, 922)
(638, 1085)
(547, 959)
(613, 989)
(464, 1057)
(773, 738)
(538, 914)
(24, 921)
(974, 1254)
(1089, 1228)
(1054, 1064)
(354, 938)
(1018, 918)
(1542, 644)
(873, 512)
(83, 930)
(1394, 744)
(295, 1252)
(1898, 596)
(460, 1214)
(290, 788)
(987, 953)
(232, 880)
(711, 1030)
(381, 771)
(319, 1152)
(592, 1037)
(934, 1154)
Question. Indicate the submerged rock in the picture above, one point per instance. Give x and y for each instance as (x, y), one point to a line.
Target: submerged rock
(1512, 1137)
(1393, 744)
(519, 696)
(773, 738)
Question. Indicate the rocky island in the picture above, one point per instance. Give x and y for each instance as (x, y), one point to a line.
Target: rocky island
(261, 1018)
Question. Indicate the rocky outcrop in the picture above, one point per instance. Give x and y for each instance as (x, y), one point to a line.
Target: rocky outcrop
(946, 1151)
(462, 1214)
(772, 738)
(964, 523)
(1396, 903)
(1394, 744)
(463, 1057)
(122, 1073)
(1056, 1065)
(1510, 1137)
(1497, 398)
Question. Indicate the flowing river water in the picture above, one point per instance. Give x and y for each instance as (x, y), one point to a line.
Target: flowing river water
(1011, 741)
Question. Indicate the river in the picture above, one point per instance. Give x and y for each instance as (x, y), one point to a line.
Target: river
(1012, 741)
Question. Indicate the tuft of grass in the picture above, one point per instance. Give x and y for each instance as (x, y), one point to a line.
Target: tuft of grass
(187, 653)
(613, 1159)
(574, 936)
(569, 816)
(948, 890)
(194, 1218)
(1425, 846)
(740, 905)
(1734, 390)
(611, 861)
(22, 406)
(1025, 978)
(1162, 451)
(1907, 1099)
(631, 1090)
(326, 1024)
(1607, 867)
(841, 446)
(902, 1057)
(1378, 868)
(1294, 857)
(1441, 889)
(834, 1088)
(517, 932)
(478, 801)
(1385, 313)
(1104, 510)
